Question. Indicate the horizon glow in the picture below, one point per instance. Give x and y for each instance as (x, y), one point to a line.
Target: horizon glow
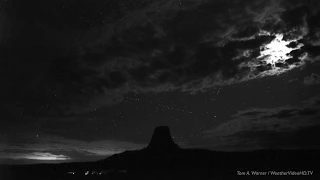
(43, 156)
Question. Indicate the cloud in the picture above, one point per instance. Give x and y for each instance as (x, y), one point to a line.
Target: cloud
(313, 79)
(314, 101)
(79, 64)
(287, 127)
(293, 80)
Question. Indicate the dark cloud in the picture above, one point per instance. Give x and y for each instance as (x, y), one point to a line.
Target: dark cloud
(283, 113)
(294, 17)
(313, 51)
(282, 65)
(313, 79)
(75, 56)
(293, 44)
(117, 79)
(251, 113)
(283, 127)
(246, 32)
(262, 68)
(302, 138)
(308, 111)
(293, 80)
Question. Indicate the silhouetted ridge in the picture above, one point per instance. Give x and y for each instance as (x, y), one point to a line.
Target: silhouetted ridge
(161, 140)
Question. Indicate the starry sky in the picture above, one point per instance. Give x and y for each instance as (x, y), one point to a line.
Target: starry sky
(84, 79)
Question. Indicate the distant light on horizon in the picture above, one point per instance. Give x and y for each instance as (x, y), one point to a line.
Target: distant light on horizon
(43, 156)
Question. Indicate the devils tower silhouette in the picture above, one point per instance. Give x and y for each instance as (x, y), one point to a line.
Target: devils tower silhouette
(161, 140)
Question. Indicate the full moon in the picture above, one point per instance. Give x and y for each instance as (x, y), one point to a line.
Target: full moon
(277, 50)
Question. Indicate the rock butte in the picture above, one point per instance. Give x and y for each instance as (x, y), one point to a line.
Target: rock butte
(161, 140)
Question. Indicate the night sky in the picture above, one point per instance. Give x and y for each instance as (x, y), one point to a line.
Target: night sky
(84, 79)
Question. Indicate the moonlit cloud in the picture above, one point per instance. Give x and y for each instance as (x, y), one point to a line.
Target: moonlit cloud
(277, 50)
